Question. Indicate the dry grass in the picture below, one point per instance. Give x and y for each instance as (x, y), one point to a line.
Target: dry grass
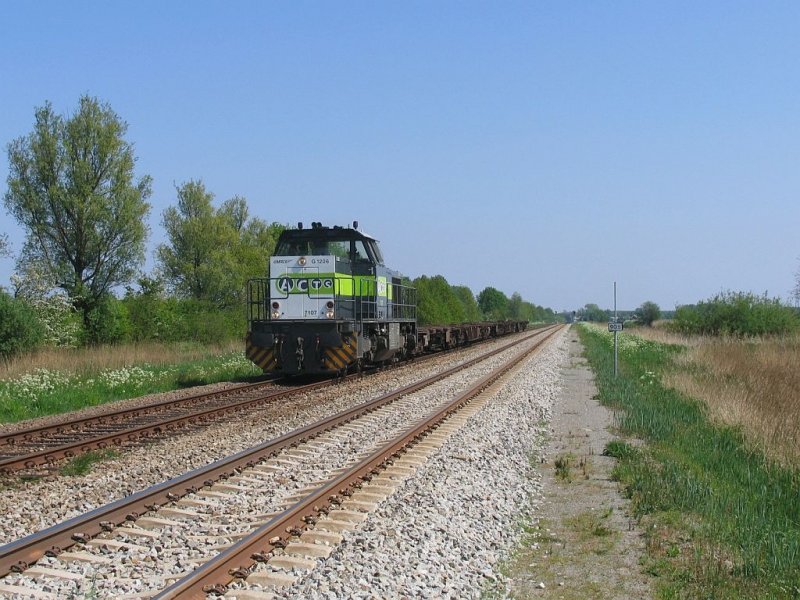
(659, 333)
(87, 361)
(752, 384)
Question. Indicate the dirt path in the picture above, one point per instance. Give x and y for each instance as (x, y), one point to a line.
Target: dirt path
(585, 544)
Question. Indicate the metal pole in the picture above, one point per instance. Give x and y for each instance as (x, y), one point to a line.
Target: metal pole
(616, 362)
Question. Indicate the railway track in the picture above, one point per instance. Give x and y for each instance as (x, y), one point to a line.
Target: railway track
(45, 445)
(245, 490)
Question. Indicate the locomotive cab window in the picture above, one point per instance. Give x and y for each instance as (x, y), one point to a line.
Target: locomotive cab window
(360, 254)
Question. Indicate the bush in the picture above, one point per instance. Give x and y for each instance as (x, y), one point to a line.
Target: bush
(736, 313)
(20, 330)
(107, 323)
(648, 312)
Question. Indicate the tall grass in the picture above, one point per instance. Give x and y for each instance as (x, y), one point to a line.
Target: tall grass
(750, 383)
(91, 360)
(70, 380)
(754, 385)
(745, 537)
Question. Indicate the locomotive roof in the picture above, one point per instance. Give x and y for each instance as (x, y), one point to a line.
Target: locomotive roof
(316, 233)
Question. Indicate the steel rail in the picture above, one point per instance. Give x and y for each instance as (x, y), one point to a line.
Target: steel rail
(238, 560)
(27, 435)
(131, 434)
(18, 555)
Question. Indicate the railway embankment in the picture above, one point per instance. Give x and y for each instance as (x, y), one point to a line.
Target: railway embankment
(717, 506)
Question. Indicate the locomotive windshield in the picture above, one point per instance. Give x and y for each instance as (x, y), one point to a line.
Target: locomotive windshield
(329, 243)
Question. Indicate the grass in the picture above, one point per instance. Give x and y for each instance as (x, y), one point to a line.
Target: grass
(592, 530)
(81, 465)
(89, 377)
(563, 467)
(91, 360)
(722, 518)
(752, 383)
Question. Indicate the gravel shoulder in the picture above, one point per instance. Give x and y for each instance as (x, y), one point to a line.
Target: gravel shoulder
(583, 543)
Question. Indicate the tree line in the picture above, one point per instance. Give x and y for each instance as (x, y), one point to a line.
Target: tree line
(72, 187)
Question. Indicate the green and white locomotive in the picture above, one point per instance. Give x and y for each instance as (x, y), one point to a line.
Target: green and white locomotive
(330, 304)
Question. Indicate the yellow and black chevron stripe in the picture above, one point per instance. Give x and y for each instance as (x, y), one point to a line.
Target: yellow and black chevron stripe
(263, 357)
(342, 356)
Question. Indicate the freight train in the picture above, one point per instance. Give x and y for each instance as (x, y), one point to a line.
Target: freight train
(331, 305)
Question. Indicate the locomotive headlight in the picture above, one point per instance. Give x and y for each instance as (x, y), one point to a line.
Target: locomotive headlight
(329, 307)
(329, 314)
(302, 261)
(276, 314)
(276, 310)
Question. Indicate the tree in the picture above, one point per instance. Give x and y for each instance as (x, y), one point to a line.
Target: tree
(471, 311)
(437, 303)
(4, 249)
(71, 186)
(212, 252)
(592, 312)
(493, 304)
(516, 307)
(648, 312)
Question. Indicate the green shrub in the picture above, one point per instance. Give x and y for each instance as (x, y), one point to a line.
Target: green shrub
(107, 323)
(648, 312)
(736, 313)
(20, 330)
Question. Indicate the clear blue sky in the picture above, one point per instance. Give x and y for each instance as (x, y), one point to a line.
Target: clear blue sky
(548, 148)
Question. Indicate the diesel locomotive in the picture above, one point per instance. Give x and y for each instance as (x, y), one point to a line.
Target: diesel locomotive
(330, 304)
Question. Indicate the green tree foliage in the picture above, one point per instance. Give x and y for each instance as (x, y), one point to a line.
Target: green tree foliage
(71, 186)
(515, 309)
(493, 304)
(537, 314)
(437, 303)
(153, 315)
(4, 247)
(736, 313)
(108, 322)
(592, 312)
(212, 252)
(472, 312)
(648, 312)
(20, 330)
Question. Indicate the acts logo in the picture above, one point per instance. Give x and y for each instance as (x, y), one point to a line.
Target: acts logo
(288, 285)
